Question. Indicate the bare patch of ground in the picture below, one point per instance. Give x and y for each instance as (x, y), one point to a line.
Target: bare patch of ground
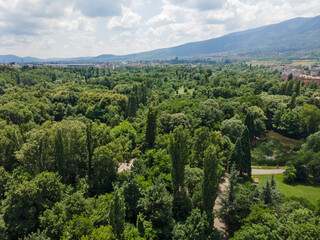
(126, 166)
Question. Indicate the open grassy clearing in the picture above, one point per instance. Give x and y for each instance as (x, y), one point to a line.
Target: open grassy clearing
(311, 192)
(181, 90)
(283, 140)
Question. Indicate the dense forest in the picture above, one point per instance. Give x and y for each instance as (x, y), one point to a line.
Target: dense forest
(66, 133)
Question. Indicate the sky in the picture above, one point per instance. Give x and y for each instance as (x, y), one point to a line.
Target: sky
(74, 28)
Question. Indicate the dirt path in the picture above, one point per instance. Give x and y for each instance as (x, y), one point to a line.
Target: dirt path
(267, 171)
(218, 223)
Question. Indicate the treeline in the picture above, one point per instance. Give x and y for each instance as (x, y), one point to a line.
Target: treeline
(64, 132)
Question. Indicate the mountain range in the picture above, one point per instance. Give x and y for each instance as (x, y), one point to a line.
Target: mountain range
(294, 34)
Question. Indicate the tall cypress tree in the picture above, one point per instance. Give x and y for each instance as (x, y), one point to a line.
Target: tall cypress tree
(233, 184)
(246, 158)
(267, 193)
(297, 87)
(236, 156)
(250, 125)
(179, 152)
(212, 168)
(89, 148)
(151, 126)
(117, 213)
(59, 154)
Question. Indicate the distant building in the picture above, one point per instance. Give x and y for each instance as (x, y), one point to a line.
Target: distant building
(308, 79)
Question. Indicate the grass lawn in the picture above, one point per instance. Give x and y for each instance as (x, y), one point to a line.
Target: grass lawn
(311, 192)
(181, 91)
(283, 140)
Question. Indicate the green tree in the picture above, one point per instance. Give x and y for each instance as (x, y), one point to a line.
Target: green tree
(4, 177)
(292, 103)
(203, 137)
(246, 157)
(10, 142)
(151, 130)
(101, 233)
(54, 220)
(232, 128)
(289, 175)
(105, 166)
(236, 156)
(179, 152)
(90, 148)
(77, 227)
(26, 200)
(250, 125)
(117, 213)
(212, 169)
(132, 193)
(193, 228)
(156, 206)
(97, 135)
(310, 118)
(59, 154)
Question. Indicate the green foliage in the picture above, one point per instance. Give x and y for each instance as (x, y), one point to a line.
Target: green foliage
(105, 165)
(193, 177)
(54, 219)
(212, 172)
(26, 200)
(80, 123)
(156, 206)
(289, 175)
(77, 227)
(132, 192)
(246, 149)
(236, 156)
(101, 233)
(151, 130)
(36, 236)
(179, 152)
(4, 176)
(117, 213)
(313, 142)
(232, 128)
(193, 228)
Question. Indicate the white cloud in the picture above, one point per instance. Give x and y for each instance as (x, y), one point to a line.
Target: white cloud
(161, 19)
(128, 20)
(70, 28)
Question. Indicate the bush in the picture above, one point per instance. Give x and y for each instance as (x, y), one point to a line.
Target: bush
(289, 175)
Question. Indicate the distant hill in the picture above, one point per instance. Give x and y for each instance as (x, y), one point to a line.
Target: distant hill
(294, 34)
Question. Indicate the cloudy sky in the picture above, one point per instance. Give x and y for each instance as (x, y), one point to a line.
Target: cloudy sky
(72, 28)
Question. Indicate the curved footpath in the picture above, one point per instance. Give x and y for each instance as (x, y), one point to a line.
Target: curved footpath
(224, 183)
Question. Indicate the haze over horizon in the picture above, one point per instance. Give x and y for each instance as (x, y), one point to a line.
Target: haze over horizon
(46, 29)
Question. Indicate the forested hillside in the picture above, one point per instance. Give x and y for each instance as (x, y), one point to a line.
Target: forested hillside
(65, 132)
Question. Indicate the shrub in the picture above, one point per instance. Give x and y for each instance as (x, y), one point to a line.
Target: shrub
(289, 174)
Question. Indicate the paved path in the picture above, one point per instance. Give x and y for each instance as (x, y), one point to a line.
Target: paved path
(224, 183)
(267, 171)
(218, 223)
